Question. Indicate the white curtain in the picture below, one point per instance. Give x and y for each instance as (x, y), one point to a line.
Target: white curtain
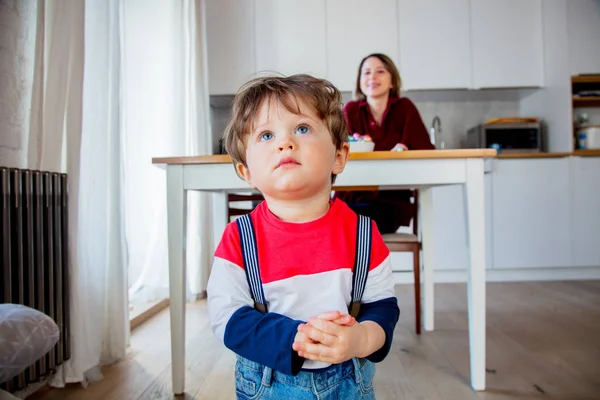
(167, 114)
(116, 83)
(76, 128)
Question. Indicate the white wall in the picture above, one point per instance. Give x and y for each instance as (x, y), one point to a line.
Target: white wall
(17, 43)
(459, 116)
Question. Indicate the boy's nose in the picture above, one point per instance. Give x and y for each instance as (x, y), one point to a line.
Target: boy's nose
(286, 144)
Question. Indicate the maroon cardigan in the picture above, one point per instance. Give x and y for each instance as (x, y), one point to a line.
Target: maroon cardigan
(401, 123)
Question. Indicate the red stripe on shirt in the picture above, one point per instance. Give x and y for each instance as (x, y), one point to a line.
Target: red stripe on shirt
(286, 249)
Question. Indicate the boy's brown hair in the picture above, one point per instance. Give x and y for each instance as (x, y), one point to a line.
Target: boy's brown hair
(318, 93)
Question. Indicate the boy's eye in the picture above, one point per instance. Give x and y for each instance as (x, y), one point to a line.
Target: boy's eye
(302, 129)
(265, 136)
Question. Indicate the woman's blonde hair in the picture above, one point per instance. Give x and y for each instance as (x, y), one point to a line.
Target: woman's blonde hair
(389, 66)
(321, 94)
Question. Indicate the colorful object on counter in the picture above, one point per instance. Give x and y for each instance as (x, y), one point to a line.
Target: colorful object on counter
(588, 137)
(357, 137)
(361, 143)
(497, 147)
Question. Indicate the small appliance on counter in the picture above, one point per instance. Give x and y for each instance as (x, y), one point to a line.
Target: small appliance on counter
(588, 137)
(509, 135)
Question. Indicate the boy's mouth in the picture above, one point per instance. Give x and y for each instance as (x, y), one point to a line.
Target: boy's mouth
(287, 161)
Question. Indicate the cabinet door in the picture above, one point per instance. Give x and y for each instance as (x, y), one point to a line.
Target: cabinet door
(290, 37)
(586, 211)
(435, 47)
(450, 230)
(584, 35)
(507, 43)
(355, 29)
(531, 213)
(450, 227)
(230, 44)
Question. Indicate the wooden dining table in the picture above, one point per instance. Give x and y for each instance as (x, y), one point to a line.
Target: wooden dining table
(415, 169)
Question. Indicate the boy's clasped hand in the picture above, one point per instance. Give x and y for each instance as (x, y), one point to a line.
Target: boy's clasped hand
(331, 337)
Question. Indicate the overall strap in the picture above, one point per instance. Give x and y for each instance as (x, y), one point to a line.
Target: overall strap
(362, 260)
(250, 255)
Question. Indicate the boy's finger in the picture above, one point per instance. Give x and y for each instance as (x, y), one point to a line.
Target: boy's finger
(315, 351)
(318, 352)
(302, 337)
(324, 326)
(318, 336)
(329, 315)
(346, 320)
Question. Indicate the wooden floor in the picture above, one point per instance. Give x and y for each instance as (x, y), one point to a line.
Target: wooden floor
(543, 342)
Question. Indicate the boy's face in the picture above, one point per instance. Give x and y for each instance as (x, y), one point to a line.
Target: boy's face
(291, 156)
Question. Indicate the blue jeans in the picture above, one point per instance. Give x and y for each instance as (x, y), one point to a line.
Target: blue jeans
(352, 379)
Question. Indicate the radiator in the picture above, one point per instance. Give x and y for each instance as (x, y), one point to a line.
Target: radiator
(34, 254)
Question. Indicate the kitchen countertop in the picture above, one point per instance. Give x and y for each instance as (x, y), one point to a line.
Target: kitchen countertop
(414, 154)
(576, 153)
(370, 155)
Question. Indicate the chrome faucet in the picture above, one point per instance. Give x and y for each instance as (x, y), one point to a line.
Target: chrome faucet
(436, 131)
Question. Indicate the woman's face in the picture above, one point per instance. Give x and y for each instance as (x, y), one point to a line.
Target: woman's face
(375, 79)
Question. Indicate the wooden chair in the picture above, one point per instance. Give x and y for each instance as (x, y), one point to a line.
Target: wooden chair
(399, 242)
(233, 211)
(410, 242)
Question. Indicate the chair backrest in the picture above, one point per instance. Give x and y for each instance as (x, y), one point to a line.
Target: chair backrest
(233, 211)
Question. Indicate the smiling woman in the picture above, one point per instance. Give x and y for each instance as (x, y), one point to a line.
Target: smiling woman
(391, 121)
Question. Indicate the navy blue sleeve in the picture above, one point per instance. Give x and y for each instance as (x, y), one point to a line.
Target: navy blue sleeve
(385, 313)
(264, 338)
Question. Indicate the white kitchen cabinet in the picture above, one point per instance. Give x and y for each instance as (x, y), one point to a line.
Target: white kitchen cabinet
(450, 230)
(506, 43)
(435, 46)
(355, 29)
(230, 44)
(585, 192)
(450, 227)
(531, 213)
(583, 36)
(290, 37)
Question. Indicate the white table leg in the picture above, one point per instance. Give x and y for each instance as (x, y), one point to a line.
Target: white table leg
(426, 204)
(475, 214)
(176, 221)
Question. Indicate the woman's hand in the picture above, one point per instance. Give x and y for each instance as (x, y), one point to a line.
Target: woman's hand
(399, 147)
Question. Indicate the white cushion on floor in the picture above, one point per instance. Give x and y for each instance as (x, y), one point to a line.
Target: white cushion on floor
(25, 336)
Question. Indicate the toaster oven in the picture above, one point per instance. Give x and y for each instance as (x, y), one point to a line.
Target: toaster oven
(516, 137)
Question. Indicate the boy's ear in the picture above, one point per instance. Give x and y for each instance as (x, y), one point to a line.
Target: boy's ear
(244, 172)
(341, 158)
